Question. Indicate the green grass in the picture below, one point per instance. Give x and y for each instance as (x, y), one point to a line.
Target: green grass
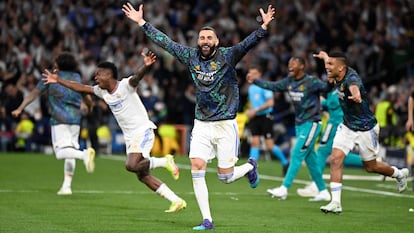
(111, 200)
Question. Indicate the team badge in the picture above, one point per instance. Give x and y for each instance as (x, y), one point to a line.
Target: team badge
(197, 67)
(301, 88)
(213, 65)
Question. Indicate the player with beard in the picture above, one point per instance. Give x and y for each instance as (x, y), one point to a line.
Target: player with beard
(359, 127)
(213, 72)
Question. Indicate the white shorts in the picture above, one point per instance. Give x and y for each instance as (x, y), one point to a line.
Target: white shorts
(64, 135)
(141, 143)
(219, 139)
(367, 141)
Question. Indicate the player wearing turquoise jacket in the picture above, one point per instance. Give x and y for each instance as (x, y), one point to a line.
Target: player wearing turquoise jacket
(331, 105)
(305, 91)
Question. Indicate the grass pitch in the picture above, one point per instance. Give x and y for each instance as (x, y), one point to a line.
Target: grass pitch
(112, 200)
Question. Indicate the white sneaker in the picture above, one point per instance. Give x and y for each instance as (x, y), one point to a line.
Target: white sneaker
(332, 207)
(280, 192)
(65, 191)
(322, 196)
(89, 160)
(402, 182)
(310, 190)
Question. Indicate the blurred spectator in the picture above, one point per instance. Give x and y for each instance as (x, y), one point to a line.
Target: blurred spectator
(24, 130)
(6, 131)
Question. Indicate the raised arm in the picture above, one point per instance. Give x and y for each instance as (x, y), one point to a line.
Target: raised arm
(268, 16)
(134, 15)
(409, 125)
(78, 87)
(149, 59)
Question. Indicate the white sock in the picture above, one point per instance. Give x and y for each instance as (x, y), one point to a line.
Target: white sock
(167, 193)
(69, 170)
(397, 173)
(71, 153)
(240, 171)
(336, 189)
(201, 193)
(157, 162)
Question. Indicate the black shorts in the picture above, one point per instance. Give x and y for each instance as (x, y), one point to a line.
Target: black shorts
(262, 126)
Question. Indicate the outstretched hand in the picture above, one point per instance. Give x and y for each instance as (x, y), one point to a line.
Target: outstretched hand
(321, 55)
(149, 58)
(268, 16)
(134, 15)
(49, 77)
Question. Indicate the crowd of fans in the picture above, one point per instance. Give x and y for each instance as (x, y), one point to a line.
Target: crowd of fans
(377, 36)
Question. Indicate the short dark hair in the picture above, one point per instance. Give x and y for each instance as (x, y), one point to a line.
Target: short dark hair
(66, 62)
(339, 55)
(110, 66)
(209, 29)
(301, 60)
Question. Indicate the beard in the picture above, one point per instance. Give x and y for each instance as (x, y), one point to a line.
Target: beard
(207, 54)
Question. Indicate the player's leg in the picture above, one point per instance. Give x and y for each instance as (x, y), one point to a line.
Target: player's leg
(138, 162)
(368, 150)
(65, 139)
(201, 151)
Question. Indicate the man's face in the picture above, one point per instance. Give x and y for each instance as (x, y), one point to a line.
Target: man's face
(102, 77)
(333, 67)
(207, 43)
(295, 68)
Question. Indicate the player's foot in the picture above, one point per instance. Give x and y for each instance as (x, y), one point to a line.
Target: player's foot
(64, 191)
(310, 190)
(172, 167)
(322, 196)
(205, 225)
(89, 160)
(177, 206)
(253, 175)
(332, 207)
(279, 192)
(402, 182)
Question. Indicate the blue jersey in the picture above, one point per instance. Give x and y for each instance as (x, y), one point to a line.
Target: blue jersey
(304, 93)
(258, 97)
(357, 116)
(215, 80)
(333, 107)
(64, 103)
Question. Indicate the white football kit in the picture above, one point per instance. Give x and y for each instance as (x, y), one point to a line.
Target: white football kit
(131, 115)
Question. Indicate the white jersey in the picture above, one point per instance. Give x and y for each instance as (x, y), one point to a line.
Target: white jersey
(128, 109)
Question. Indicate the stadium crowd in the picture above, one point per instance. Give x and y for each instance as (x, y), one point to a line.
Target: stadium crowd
(377, 36)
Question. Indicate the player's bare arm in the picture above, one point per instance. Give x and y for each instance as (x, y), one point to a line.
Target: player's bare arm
(356, 94)
(26, 101)
(49, 77)
(149, 59)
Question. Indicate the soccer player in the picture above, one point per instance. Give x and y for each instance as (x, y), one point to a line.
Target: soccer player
(359, 127)
(133, 120)
(305, 91)
(261, 119)
(213, 72)
(65, 111)
(331, 105)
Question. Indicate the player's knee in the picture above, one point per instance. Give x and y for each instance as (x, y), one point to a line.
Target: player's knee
(226, 178)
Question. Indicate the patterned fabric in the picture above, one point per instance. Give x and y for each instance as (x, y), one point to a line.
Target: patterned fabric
(64, 104)
(215, 79)
(357, 116)
(304, 94)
